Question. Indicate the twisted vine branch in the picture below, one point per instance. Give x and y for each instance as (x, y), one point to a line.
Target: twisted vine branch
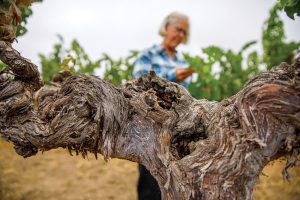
(196, 149)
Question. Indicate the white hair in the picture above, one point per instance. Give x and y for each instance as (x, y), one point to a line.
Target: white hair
(171, 19)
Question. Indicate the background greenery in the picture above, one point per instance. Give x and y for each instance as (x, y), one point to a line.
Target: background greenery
(220, 73)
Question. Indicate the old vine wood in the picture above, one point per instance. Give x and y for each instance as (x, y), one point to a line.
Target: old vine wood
(196, 149)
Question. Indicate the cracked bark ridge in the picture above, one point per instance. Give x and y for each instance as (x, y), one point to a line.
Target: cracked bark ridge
(196, 149)
(21, 67)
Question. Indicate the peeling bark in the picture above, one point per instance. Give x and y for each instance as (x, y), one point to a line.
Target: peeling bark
(196, 149)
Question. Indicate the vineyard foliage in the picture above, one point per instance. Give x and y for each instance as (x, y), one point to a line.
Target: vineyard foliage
(275, 49)
(229, 79)
(290, 7)
(73, 59)
(219, 73)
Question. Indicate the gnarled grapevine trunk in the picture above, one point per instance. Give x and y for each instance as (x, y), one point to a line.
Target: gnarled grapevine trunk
(196, 149)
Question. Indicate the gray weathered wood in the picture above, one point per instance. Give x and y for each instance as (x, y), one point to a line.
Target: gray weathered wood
(196, 149)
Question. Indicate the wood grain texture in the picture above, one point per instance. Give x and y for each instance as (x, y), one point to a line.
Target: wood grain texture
(196, 149)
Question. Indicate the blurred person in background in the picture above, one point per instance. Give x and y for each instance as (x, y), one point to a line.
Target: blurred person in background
(167, 63)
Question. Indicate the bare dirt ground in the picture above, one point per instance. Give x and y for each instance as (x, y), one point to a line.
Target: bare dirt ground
(55, 175)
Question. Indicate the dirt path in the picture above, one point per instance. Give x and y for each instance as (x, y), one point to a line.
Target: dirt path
(55, 175)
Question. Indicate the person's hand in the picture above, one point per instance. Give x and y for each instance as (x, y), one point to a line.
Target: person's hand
(183, 73)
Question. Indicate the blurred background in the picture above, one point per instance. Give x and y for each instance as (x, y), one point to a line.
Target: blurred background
(230, 42)
(116, 27)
